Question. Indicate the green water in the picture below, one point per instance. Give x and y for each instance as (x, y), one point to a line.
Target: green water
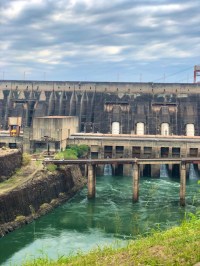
(81, 224)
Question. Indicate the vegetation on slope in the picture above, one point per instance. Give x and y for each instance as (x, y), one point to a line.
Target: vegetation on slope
(73, 152)
(176, 246)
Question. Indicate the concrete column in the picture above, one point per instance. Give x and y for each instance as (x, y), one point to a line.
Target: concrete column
(136, 176)
(182, 184)
(85, 170)
(101, 152)
(142, 152)
(170, 152)
(91, 181)
(113, 151)
(187, 170)
(156, 151)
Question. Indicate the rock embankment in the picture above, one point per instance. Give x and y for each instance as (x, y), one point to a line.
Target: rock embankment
(36, 196)
(10, 160)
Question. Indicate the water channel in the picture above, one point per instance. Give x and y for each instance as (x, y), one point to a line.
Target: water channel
(110, 218)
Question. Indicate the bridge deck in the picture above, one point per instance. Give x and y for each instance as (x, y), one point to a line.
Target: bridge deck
(124, 161)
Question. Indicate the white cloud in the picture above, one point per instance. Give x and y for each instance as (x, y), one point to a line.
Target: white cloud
(13, 9)
(161, 8)
(40, 34)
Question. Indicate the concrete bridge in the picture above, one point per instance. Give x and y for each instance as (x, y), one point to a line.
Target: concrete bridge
(143, 147)
(136, 163)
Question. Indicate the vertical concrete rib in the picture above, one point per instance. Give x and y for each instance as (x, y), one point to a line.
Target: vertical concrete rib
(61, 100)
(73, 103)
(182, 184)
(91, 181)
(136, 177)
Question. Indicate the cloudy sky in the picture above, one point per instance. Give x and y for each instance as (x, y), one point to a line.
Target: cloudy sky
(105, 40)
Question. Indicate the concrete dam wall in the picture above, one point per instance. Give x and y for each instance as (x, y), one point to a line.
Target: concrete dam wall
(118, 108)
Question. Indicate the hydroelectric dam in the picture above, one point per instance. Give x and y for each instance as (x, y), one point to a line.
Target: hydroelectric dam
(115, 119)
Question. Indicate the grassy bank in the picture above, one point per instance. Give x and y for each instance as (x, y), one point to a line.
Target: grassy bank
(176, 246)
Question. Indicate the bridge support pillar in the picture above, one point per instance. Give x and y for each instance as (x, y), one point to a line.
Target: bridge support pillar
(136, 176)
(91, 181)
(182, 184)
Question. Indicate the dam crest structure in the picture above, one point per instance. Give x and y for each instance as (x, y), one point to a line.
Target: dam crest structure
(106, 107)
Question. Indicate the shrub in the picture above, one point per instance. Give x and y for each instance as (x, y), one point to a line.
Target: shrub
(62, 195)
(4, 148)
(59, 156)
(54, 202)
(45, 206)
(20, 218)
(81, 150)
(32, 209)
(26, 159)
(70, 154)
(73, 152)
(51, 167)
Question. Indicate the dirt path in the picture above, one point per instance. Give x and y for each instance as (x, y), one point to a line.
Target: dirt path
(21, 176)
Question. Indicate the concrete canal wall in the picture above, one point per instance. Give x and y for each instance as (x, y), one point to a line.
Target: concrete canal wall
(37, 196)
(10, 161)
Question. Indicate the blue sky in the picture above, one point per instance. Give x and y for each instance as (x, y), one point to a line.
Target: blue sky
(88, 40)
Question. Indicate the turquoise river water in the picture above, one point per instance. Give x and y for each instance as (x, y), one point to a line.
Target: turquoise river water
(110, 218)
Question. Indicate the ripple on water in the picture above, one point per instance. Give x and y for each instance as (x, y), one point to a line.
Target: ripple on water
(82, 224)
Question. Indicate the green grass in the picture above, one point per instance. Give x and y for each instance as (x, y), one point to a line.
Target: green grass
(176, 246)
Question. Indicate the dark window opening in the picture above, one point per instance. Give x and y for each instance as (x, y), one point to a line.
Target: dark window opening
(136, 152)
(164, 152)
(193, 152)
(176, 152)
(108, 151)
(12, 145)
(94, 155)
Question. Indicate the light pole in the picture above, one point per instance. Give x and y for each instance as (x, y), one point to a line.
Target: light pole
(60, 138)
(26, 73)
(47, 139)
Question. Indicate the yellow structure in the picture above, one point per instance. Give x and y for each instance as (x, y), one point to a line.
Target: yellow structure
(14, 124)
